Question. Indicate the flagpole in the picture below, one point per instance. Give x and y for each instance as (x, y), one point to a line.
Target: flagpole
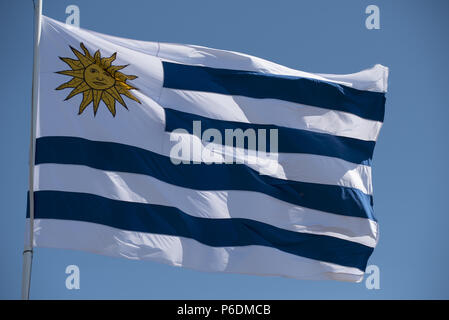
(28, 250)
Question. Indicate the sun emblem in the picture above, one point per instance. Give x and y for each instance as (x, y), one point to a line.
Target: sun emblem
(97, 79)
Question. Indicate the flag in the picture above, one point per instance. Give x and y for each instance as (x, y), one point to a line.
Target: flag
(202, 158)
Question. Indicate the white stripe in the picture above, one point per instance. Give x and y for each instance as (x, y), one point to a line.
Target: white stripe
(270, 111)
(206, 204)
(184, 252)
(372, 79)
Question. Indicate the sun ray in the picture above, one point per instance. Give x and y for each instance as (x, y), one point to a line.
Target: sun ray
(75, 82)
(97, 79)
(87, 99)
(97, 57)
(114, 93)
(84, 60)
(123, 77)
(97, 98)
(73, 73)
(86, 52)
(122, 85)
(106, 62)
(127, 93)
(113, 69)
(81, 88)
(109, 101)
(74, 64)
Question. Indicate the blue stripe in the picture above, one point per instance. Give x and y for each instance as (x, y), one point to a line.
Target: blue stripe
(328, 95)
(150, 218)
(289, 140)
(124, 158)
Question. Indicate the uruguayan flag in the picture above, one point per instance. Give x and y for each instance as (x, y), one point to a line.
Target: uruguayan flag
(203, 158)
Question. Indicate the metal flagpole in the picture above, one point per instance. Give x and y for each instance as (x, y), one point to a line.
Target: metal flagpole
(28, 250)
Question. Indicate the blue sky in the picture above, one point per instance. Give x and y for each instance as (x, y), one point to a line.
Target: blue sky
(324, 36)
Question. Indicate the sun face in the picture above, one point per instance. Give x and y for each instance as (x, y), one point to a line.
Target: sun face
(97, 79)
